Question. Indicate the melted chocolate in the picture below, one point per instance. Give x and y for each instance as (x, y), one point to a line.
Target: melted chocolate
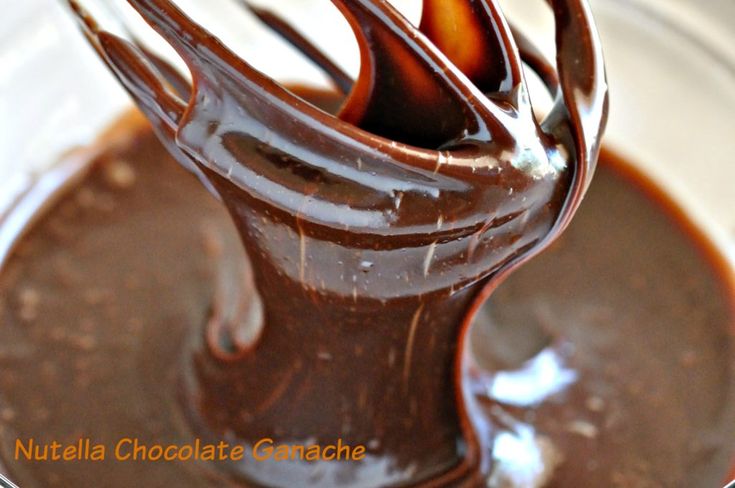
(373, 235)
(594, 365)
(386, 224)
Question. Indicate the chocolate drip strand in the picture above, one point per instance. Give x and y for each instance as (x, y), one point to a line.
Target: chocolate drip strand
(580, 112)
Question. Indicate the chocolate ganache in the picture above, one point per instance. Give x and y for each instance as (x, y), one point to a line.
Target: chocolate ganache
(362, 227)
(593, 365)
(373, 232)
(370, 232)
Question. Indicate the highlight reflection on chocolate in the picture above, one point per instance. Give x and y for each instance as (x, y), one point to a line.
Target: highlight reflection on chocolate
(373, 233)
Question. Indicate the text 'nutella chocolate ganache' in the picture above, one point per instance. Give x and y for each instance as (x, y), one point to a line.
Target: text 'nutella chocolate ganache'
(373, 233)
(376, 223)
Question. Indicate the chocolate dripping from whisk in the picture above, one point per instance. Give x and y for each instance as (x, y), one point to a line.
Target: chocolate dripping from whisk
(272, 155)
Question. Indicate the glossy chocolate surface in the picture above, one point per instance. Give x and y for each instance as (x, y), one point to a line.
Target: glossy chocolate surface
(385, 224)
(374, 235)
(601, 364)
